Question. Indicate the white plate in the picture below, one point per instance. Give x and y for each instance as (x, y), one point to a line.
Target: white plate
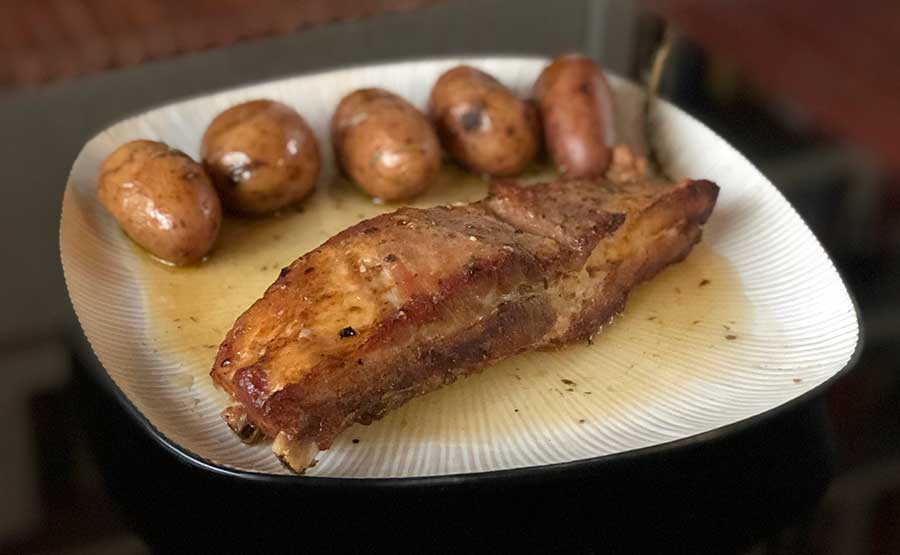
(771, 320)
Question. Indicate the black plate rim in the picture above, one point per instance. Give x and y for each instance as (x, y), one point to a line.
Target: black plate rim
(541, 472)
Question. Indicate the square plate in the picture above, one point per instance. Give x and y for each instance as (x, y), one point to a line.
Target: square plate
(757, 316)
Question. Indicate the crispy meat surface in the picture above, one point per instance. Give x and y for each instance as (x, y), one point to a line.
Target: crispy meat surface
(400, 304)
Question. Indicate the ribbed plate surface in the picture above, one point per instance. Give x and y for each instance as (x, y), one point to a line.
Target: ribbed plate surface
(755, 317)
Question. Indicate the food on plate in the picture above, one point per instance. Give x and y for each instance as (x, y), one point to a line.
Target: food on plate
(162, 199)
(385, 144)
(483, 124)
(262, 156)
(400, 304)
(577, 115)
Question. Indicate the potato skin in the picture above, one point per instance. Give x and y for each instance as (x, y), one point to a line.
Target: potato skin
(577, 115)
(162, 199)
(483, 124)
(262, 156)
(385, 144)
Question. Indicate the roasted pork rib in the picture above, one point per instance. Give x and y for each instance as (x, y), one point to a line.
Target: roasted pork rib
(400, 304)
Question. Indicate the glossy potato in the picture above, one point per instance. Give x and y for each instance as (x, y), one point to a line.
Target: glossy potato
(162, 199)
(262, 156)
(577, 115)
(385, 144)
(483, 124)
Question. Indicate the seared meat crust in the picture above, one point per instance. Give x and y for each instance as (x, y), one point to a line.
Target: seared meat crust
(400, 304)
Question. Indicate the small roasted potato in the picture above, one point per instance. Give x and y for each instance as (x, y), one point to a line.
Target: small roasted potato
(577, 115)
(384, 144)
(162, 199)
(262, 156)
(483, 124)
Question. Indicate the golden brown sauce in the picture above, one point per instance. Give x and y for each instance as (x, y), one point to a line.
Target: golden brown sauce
(667, 321)
(690, 308)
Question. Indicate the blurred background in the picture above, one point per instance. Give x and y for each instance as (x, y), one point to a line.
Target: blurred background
(808, 91)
